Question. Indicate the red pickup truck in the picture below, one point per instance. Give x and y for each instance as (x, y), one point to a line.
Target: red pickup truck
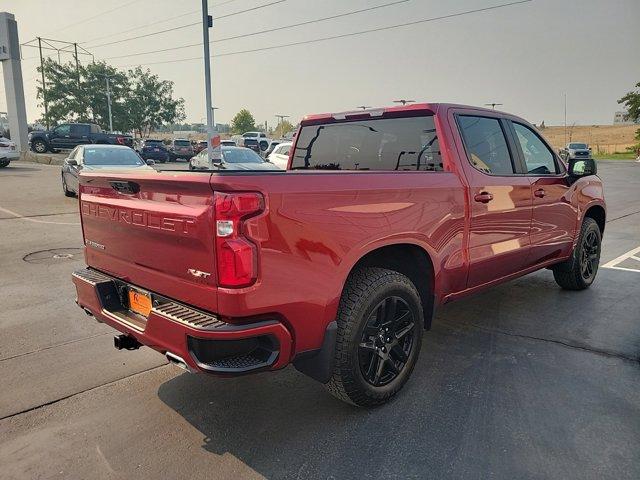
(337, 264)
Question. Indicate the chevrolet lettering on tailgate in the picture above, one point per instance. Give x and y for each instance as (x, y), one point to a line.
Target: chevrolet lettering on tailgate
(139, 218)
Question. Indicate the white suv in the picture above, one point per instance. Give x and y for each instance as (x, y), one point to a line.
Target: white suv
(280, 155)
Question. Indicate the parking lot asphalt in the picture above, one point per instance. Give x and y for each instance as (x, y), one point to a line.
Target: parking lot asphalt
(523, 381)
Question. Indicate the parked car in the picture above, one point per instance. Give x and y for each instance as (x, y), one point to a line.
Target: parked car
(272, 144)
(154, 150)
(575, 150)
(181, 148)
(228, 143)
(199, 146)
(98, 158)
(256, 141)
(70, 135)
(233, 158)
(280, 155)
(8, 152)
(337, 264)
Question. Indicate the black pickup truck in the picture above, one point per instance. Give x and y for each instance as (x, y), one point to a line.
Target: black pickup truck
(70, 135)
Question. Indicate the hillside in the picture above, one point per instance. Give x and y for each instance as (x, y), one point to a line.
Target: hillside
(601, 138)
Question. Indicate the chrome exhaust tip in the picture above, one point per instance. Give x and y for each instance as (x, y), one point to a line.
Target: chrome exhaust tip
(178, 361)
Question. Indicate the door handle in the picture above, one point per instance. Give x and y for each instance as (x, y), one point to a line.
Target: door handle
(483, 197)
(540, 193)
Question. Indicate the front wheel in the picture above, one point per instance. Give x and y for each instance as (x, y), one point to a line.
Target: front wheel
(39, 146)
(380, 321)
(579, 271)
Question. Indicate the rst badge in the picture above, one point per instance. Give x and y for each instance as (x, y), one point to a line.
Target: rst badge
(93, 244)
(198, 273)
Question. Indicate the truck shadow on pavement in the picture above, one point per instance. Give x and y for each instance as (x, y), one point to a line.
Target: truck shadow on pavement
(484, 400)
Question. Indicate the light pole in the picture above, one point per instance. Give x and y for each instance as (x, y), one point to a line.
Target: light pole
(108, 93)
(280, 119)
(213, 140)
(565, 120)
(109, 104)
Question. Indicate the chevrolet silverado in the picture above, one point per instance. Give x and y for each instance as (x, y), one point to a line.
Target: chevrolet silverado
(337, 264)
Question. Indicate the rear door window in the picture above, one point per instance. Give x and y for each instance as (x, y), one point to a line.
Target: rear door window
(80, 129)
(283, 149)
(486, 144)
(63, 129)
(398, 144)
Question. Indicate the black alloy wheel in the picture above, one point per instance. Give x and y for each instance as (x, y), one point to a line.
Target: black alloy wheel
(380, 323)
(387, 341)
(590, 255)
(579, 271)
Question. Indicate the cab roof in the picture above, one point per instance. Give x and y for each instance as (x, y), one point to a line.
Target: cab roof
(393, 111)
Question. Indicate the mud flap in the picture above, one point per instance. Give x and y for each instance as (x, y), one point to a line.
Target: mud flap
(318, 364)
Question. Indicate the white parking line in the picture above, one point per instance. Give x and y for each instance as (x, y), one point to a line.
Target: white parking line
(34, 220)
(631, 254)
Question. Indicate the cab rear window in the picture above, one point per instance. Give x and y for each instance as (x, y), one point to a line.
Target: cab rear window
(398, 144)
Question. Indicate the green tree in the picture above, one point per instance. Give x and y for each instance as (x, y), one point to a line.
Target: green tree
(86, 101)
(283, 128)
(150, 102)
(243, 122)
(631, 102)
(140, 101)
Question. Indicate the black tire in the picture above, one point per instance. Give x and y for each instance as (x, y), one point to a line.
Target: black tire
(39, 146)
(368, 300)
(4, 163)
(67, 192)
(579, 271)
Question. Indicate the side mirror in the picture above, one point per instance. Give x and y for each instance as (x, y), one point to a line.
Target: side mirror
(71, 162)
(582, 167)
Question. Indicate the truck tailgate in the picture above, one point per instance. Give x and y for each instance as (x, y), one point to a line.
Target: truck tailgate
(154, 230)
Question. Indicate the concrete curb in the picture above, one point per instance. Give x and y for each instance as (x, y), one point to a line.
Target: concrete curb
(43, 158)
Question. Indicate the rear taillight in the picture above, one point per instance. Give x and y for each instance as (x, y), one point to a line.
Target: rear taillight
(236, 254)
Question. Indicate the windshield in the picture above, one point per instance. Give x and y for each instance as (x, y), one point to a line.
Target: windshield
(182, 143)
(111, 157)
(241, 155)
(578, 145)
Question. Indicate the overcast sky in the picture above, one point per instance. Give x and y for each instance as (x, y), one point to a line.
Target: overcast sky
(525, 56)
